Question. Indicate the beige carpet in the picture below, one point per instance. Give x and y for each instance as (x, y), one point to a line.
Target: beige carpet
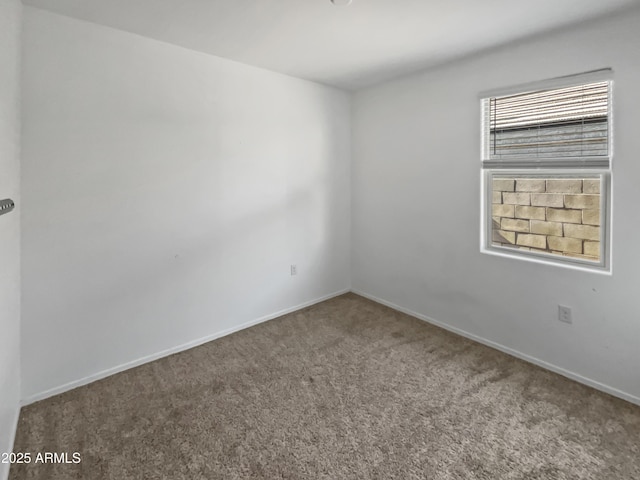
(345, 389)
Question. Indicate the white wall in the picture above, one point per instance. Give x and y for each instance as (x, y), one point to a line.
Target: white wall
(10, 27)
(417, 163)
(166, 193)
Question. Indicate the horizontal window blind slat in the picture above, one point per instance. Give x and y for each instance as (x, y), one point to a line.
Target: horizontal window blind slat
(594, 108)
(507, 137)
(534, 152)
(558, 92)
(571, 146)
(561, 122)
(556, 163)
(531, 120)
(568, 112)
(558, 100)
(585, 123)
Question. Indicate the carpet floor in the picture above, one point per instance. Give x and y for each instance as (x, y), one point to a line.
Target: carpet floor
(344, 389)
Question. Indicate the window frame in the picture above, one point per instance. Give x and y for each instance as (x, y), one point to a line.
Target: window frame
(548, 167)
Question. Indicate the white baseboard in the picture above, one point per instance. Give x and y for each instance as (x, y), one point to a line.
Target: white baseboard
(5, 467)
(170, 351)
(150, 358)
(514, 353)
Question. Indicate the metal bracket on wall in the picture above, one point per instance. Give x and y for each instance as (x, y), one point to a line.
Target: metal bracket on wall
(6, 206)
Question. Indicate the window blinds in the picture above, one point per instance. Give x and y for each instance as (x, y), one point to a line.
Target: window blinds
(563, 122)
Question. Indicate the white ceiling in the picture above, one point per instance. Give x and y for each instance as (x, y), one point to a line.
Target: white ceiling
(349, 47)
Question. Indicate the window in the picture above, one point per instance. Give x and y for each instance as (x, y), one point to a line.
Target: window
(546, 164)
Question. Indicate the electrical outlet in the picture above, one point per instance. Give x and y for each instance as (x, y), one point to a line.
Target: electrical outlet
(564, 314)
(294, 270)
